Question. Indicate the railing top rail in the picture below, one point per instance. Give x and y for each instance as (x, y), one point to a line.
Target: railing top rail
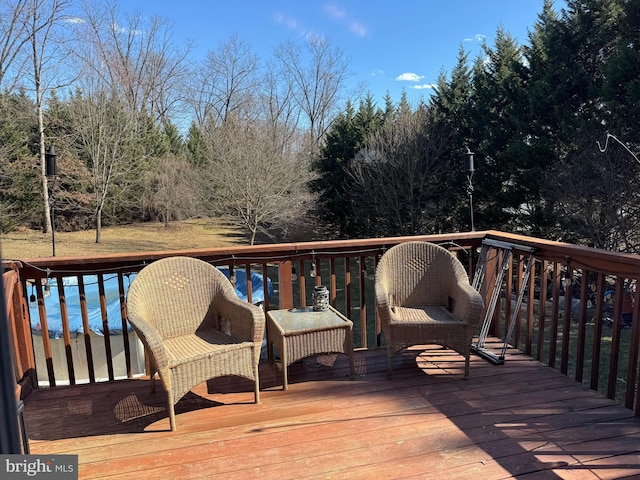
(593, 259)
(255, 253)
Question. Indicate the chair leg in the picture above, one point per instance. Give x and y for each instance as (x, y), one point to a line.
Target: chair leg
(466, 364)
(257, 386)
(172, 413)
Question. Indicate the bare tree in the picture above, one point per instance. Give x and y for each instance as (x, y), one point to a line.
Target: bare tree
(260, 185)
(104, 127)
(134, 58)
(277, 106)
(130, 70)
(398, 177)
(14, 35)
(316, 76)
(171, 188)
(224, 83)
(595, 196)
(46, 16)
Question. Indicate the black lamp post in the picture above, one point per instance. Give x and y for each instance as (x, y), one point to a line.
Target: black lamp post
(468, 169)
(51, 173)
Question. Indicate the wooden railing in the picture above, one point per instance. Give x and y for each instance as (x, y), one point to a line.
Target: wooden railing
(19, 327)
(592, 344)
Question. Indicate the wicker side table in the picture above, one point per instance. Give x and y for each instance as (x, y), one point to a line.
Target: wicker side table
(301, 332)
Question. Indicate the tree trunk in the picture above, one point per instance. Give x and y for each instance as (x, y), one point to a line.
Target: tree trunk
(98, 225)
(46, 228)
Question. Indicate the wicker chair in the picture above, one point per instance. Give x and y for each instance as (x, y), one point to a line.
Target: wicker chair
(423, 296)
(194, 326)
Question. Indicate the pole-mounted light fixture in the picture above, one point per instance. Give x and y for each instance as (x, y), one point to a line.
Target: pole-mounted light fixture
(50, 157)
(468, 162)
(468, 170)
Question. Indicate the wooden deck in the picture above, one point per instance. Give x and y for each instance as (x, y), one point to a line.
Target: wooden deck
(520, 419)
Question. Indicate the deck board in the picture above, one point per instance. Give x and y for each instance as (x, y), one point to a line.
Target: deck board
(520, 419)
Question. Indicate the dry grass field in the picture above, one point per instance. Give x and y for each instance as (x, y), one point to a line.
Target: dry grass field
(196, 233)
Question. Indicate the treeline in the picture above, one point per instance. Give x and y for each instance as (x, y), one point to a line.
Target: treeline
(554, 126)
(145, 133)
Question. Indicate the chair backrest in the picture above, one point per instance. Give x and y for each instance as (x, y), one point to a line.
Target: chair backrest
(418, 274)
(175, 294)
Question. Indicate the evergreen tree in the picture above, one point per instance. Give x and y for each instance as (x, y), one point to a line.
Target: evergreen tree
(346, 137)
(196, 146)
(341, 144)
(503, 184)
(574, 63)
(450, 105)
(20, 190)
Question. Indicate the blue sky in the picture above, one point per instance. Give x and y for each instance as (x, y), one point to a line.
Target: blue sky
(393, 45)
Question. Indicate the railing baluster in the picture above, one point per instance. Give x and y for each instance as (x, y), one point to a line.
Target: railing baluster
(530, 309)
(105, 326)
(265, 286)
(634, 356)
(316, 262)
(66, 335)
(247, 276)
(582, 325)
(303, 292)
(597, 332)
(376, 259)
(566, 325)
(615, 338)
(85, 328)
(44, 328)
(555, 315)
(542, 312)
(363, 303)
(285, 284)
(125, 330)
(347, 286)
(332, 286)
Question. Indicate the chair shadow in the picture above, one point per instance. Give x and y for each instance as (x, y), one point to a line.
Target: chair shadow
(85, 410)
(129, 406)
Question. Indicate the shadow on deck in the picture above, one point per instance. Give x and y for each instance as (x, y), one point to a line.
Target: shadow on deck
(521, 419)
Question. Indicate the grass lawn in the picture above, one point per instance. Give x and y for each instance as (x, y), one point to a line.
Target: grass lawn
(153, 236)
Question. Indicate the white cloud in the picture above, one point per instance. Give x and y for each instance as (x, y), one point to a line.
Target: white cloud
(335, 11)
(424, 86)
(409, 77)
(340, 15)
(74, 20)
(358, 28)
(375, 73)
(289, 22)
(478, 37)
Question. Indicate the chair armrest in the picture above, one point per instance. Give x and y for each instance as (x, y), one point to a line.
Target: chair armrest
(383, 305)
(467, 303)
(246, 320)
(151, 339)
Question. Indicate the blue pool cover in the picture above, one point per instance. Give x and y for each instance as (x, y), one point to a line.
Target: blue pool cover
(112, 295)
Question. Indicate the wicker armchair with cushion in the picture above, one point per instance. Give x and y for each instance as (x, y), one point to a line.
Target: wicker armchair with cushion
(193, 326)
(423, 296)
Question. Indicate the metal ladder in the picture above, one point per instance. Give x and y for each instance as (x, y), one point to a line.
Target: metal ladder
(504, 253)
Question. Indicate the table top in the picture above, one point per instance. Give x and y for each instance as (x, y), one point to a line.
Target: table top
(301, 320)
